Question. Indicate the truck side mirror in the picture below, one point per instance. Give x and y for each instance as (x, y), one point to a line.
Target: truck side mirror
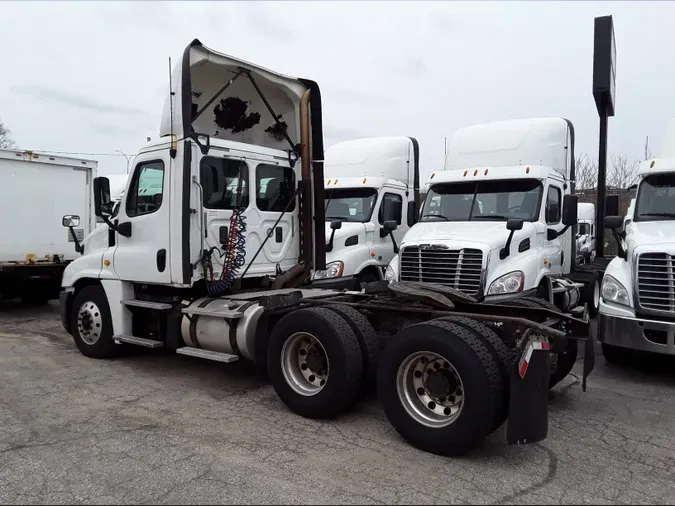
(570, 211)
(388, 227)
(102, 200)
(412, 214)
(612, 205)
(613, 222)
(334, 225)
(70, 220)
(512, 224)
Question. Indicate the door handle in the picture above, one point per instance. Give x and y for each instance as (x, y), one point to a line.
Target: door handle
(161, 260)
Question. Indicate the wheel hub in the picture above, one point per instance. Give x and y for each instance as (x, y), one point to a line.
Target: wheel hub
(89, 323)
(304, 364)
(430, 389)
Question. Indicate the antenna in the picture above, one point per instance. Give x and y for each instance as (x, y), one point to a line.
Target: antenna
(172, 150)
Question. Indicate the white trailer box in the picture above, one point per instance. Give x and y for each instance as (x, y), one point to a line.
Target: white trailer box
(36, 191)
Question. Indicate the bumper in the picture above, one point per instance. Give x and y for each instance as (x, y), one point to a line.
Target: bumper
(637, 334)
(65, 302)
(341, 283)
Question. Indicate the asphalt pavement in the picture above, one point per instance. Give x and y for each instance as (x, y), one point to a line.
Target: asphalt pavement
(157, 428)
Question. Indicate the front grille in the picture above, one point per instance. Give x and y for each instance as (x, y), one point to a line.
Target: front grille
(656, 285)
(459, 268)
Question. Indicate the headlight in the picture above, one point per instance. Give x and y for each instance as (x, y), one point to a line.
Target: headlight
(508, 283)
(389, 274)
(613, 291)
(333, 270)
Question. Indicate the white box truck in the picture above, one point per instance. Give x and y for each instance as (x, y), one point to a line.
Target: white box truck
(36, 190)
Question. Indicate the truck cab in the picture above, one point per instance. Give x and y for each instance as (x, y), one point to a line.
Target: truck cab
(637, 308)
(368, 182)
(585, 233)
(498, 221)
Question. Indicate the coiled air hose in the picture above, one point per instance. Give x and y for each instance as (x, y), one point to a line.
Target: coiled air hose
(234, 254)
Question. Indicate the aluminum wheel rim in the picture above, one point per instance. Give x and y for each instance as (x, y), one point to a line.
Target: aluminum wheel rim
(304, 363)
(89, 322)
(419, 383)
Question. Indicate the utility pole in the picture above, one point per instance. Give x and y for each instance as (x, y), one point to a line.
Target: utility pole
(647, 148)
(125, 156)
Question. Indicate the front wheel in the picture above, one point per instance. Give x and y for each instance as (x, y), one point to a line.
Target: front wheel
(91, 323)
(440, 387)
(594, 298)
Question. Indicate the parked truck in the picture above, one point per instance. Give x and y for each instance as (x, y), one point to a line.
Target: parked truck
(367, 182)
(498, 223)
(36, 189)
(637, 308)
(586, 233)
(216, 262)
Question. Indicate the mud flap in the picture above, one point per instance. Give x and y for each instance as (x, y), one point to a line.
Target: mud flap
(528, 408)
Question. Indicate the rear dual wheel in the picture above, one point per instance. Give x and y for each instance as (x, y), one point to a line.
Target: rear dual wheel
(441, 387)
(318, 359)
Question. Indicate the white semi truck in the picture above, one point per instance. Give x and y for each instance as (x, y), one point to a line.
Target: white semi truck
(586, 233)
(637, 308)
(216, 262)
(498, 223)
(367, 182)
(36, 189)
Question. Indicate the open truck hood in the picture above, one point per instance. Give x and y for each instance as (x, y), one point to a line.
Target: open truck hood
(214, 95)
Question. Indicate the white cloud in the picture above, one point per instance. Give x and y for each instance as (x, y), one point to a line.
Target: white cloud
(78, 76)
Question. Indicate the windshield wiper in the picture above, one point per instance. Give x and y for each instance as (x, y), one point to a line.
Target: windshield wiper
(490, 216)
(439, 216)
(667, 215)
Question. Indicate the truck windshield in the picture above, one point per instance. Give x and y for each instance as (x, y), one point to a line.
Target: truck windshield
(485, 200)
(350, 204)
(656, 198)
(584, 229)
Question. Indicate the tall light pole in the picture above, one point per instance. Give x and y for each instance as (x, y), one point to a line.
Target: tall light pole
(125, 156)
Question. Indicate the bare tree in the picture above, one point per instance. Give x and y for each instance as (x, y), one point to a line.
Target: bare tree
(623, 173)
(5, 140)
(586, 172)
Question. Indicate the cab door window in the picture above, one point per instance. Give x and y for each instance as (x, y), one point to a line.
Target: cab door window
(147, 189)
(553, 205)
(275, 188)
(224, 182)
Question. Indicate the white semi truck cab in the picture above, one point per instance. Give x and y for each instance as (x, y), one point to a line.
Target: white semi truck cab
(637, 309)
(497, 222)
(368, 182)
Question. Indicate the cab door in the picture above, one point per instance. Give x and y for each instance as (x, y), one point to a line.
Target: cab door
(144, 256)
(554, 253)
(390, 208)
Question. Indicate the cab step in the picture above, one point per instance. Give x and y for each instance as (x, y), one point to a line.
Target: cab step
(160, 306)
(138, 341)
(207, 354)
(198, 311)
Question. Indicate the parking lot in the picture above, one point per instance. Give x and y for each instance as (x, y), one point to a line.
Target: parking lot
(154, 428)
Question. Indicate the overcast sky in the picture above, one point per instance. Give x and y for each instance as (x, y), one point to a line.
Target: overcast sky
(91, 77)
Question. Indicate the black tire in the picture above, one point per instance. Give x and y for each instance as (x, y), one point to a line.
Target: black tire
(104, 346)
(480, 377)
(500, 353)
(616, 355)
(345, 369)
(524, 302)
(368, 342)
